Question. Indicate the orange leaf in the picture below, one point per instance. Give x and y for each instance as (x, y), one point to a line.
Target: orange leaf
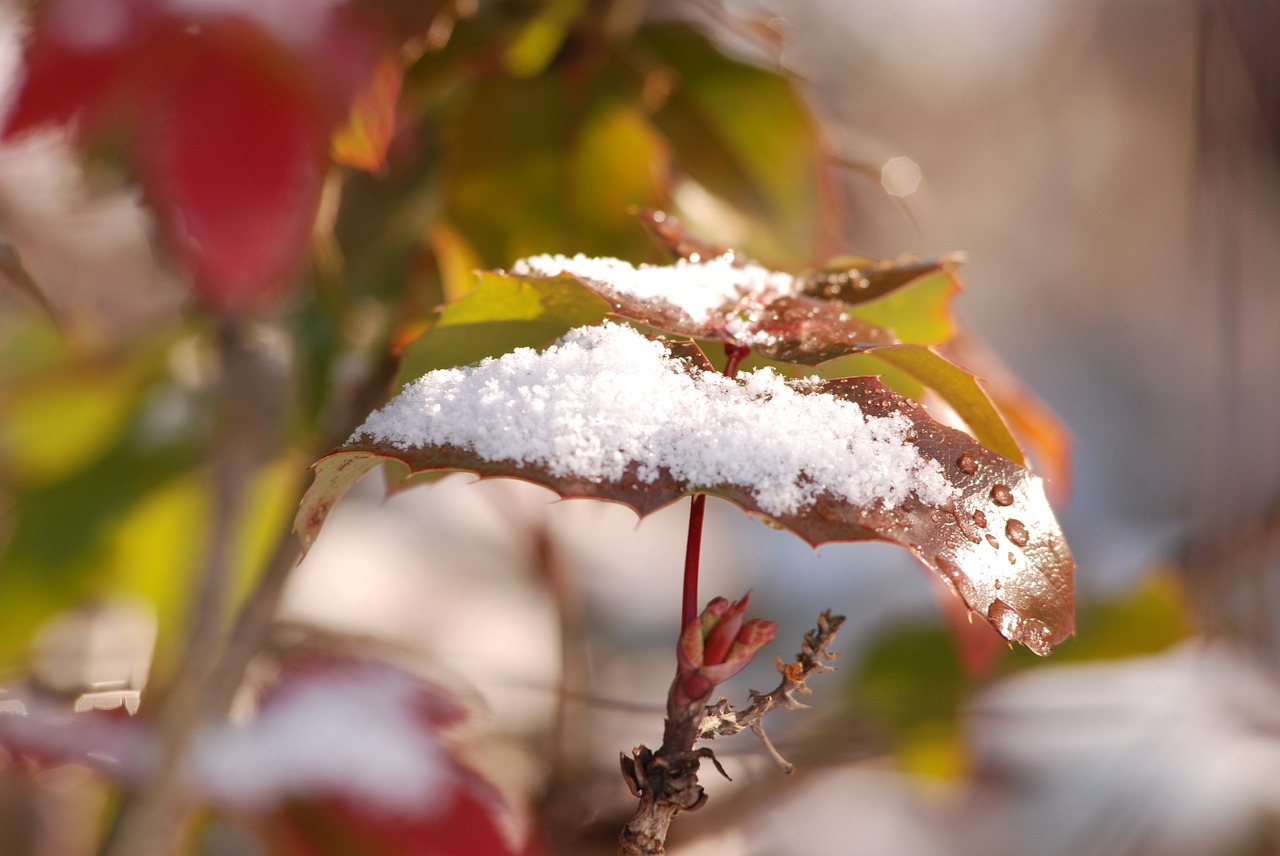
(362, 142)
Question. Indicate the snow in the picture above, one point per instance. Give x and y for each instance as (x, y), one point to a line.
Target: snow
(357, 734)
(296, 23)
(704, 290)
(605, 399)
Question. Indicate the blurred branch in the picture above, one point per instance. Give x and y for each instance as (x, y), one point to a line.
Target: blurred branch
(13, 271)
(251, 414)
(248, 418)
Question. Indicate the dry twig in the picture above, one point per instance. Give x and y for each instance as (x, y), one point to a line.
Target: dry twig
(666, 781)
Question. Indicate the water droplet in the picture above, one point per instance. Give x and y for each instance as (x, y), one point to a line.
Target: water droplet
(997, 585)
(1017, 532)
(1003, 617)
(980, 518)
(1013, 560)
(943, 517)
(967, 463)
(991, 539)
(827, 512)
(1001, 495)
(1036, 636)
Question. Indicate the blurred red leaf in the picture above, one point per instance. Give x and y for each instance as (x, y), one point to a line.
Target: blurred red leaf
(233, 162)
(472, 825)
(229, 109)
(79, 60)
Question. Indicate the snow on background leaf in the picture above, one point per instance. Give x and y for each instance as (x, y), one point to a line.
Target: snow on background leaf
(739, 302)
(358, 734)
(611, 414)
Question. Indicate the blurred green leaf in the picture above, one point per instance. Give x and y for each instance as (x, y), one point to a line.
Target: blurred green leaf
(745, 135)
(1147, 619)
(55, 423)
(116, 519)
(619, 163)
(505, 165)
(911, 685)
(542, 37)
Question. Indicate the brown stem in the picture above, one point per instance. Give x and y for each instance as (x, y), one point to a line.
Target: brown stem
(666, 781)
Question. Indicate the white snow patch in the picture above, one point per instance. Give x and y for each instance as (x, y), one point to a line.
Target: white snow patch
(605, 398)
(703, 290)
(298, 24)
(355, 734)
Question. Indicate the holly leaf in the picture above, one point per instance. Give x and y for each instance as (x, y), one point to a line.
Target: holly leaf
(857, 279)
(609, 414)
(851, 280)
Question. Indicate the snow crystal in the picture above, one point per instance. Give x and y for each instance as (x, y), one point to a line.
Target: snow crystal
(607, 398)
(698, 288)
(355, 734)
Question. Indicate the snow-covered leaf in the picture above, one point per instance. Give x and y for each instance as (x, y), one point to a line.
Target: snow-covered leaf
(850, 280)
(610, 414)
(714, 292)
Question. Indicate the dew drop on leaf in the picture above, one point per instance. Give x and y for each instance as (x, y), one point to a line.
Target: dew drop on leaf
(967, 463)
(991, 539)
(1005, 619)
(1002, 495)
(1017, 532)
(1031, 632)
(943, 517)
(980, 518)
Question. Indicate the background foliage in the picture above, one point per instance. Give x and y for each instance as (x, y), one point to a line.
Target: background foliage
(532, 128)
